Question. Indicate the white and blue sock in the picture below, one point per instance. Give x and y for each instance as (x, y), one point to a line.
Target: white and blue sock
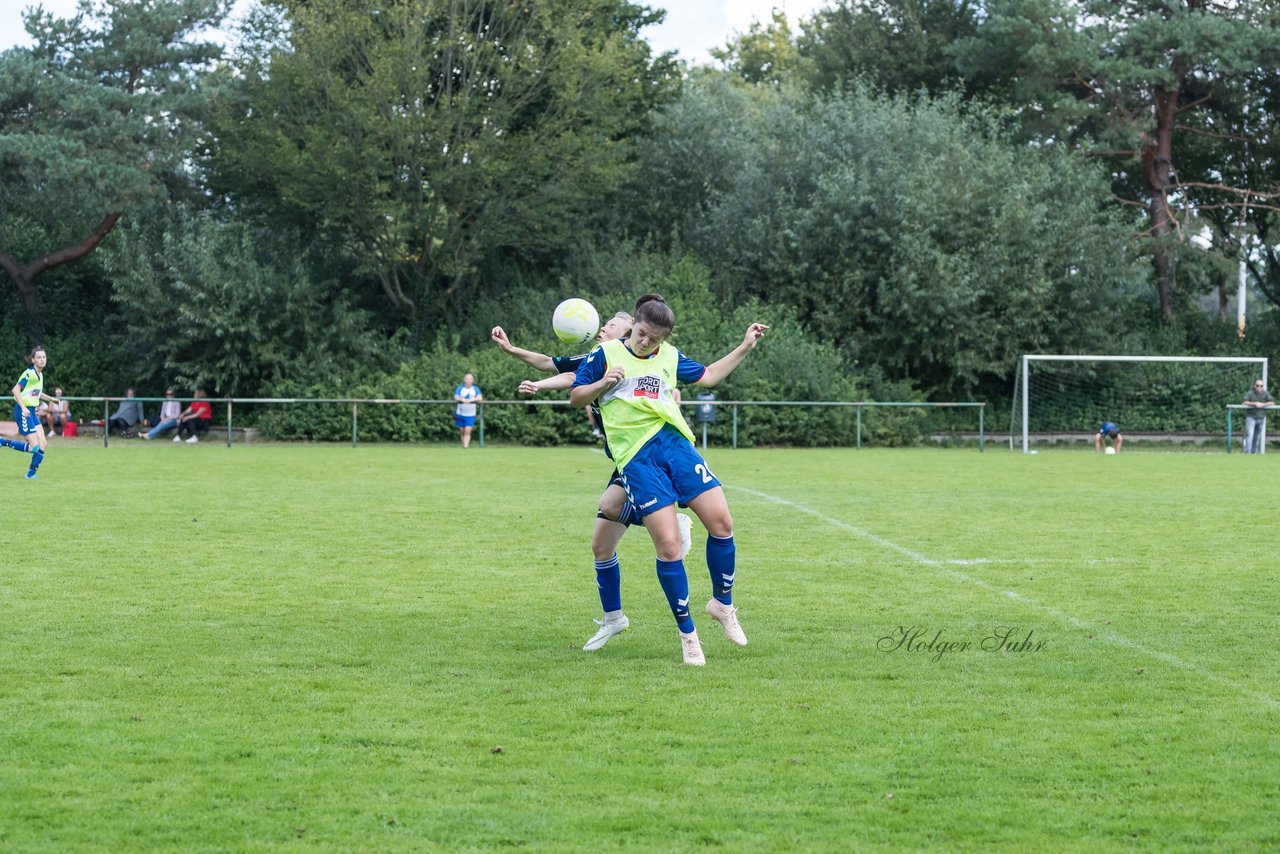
(16, 445)
(37, 457)
(609, 580)
(722, 563)
(675, 584)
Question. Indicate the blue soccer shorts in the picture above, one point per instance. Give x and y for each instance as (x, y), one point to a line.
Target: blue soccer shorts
(668, 470)
(26, 424)
(464, 420)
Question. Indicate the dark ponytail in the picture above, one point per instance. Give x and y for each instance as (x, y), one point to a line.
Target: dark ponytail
(653, 309)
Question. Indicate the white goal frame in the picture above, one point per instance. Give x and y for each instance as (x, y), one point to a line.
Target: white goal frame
(1027, 359)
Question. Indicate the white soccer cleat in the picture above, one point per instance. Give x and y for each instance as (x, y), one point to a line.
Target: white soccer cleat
(608, 628)
(727, 616)
(691, 648)
(193, 440)
(685, 524)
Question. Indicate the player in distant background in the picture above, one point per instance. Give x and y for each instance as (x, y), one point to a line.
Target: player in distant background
(27, 394)
(615, 514)
(1108, 430)
(653, 448)
(464, 416)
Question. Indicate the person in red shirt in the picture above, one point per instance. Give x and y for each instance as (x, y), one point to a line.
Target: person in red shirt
(194, 419)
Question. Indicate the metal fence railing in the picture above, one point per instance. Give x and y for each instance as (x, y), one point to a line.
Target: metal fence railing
(697, 407)
(1233, 406)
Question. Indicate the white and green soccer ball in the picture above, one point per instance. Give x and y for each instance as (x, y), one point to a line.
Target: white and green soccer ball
(575, 322)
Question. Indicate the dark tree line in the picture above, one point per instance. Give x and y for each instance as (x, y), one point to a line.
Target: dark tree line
(926, 188)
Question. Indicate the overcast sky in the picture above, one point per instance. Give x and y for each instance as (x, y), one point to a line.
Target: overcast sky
(692, 27)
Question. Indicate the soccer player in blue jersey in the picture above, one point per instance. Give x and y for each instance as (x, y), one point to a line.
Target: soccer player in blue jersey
(467, 396)
(1108, 430)
(654, 450)
(27, 394)
(614, 513)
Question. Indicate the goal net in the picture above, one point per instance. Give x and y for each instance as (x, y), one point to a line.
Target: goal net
(1165, 398)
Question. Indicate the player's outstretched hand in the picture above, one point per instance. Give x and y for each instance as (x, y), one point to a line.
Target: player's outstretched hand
(528, 388)
(754, 333)
(499, 336)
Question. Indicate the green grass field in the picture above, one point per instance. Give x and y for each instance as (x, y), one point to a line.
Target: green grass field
(320, 647)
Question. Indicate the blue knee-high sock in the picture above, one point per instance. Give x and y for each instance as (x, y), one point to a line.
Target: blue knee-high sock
(609, 580)
(676, 585)
(16, 445)
(722, 563)
(37, 457)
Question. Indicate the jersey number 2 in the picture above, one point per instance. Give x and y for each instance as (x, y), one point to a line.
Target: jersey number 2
(707, 476)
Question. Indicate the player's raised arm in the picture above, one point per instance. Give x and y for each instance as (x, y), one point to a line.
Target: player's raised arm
(721, 368)
(559, 381)
(538, 361)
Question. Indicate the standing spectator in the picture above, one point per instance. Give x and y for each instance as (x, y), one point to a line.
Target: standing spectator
(194, 419)
(127, 415)
(170, 412)
(1108, 430)
(55, 413)
(1257, 401)
(467, 395)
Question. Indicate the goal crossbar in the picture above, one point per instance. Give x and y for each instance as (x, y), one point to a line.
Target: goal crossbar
(1027, 359)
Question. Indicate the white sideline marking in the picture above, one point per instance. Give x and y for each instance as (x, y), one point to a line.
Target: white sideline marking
(1112, 637)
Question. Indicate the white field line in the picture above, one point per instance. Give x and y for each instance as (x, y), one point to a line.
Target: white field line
(963, 578)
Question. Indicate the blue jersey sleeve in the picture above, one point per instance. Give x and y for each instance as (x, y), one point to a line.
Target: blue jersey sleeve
(592, 368)
(568, 364)
(689, 371)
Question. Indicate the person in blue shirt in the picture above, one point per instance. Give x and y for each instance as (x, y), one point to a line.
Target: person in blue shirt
(654, 451)
(464, 416)
(615, 513)
(1108, 430)
(27, 394)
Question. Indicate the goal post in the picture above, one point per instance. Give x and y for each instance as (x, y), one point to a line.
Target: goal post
(1159, 395)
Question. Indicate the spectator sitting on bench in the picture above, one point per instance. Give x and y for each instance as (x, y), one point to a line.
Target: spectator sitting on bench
(194, 419)
(126, 416)
(170, 412)
(56, 413)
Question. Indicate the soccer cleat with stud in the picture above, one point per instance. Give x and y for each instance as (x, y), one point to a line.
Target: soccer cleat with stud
(727, 617)
(31, 475)
(685, 524)
(691, 649)
(608, 628)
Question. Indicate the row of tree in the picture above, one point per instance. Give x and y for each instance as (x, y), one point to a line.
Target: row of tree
(917, 191)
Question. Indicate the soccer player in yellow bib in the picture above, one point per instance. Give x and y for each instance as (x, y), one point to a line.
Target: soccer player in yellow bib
(615, 512)
(654, 451)
(27, 394)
